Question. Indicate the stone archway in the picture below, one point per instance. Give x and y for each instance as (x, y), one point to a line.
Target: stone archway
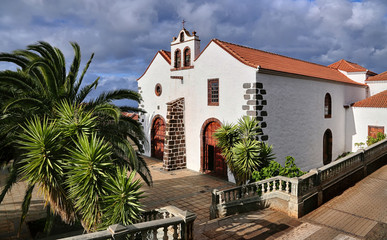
(158, 137)
(212, 161)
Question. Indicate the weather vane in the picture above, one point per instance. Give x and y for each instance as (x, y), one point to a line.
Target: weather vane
(183, 22)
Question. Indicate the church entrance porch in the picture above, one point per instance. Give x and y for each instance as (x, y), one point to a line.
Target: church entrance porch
(157, 138)
(212, 160)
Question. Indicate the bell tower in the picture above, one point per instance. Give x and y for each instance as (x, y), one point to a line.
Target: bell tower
(184, 49)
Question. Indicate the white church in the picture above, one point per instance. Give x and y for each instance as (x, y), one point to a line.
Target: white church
(306, 110)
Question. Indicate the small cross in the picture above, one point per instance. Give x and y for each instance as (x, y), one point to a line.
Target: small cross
(183, 22)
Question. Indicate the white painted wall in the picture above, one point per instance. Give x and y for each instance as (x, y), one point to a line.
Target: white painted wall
(359, 77)
(377, 86)
(213, 63)
(158, 72)
(295, 121)
(364, 117)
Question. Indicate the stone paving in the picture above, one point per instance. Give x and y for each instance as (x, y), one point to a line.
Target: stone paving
(358, 213)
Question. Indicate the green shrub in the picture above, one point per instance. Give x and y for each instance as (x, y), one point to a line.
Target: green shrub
(275, 169)
(379, 137)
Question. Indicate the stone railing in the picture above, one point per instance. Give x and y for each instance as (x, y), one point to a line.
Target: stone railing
(298, 196)
(164, 223)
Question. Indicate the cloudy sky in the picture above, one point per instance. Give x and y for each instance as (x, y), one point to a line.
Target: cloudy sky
(125, 34)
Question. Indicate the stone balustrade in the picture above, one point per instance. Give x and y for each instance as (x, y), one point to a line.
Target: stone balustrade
(298, 196)
(165, 223)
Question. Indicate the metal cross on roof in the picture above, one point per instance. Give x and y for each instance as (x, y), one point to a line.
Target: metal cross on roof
(183, 22)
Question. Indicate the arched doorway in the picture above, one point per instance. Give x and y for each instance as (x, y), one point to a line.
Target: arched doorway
(212, 159)
(327, 147)
(157, 138)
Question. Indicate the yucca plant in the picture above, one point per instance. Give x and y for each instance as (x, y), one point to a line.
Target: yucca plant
(76, 170)
(243, 153)
(123, 202)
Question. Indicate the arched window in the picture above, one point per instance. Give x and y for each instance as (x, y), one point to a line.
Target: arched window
(187, 57)
(327, 147)
(181, 37)
(177, 58)
(328, 106)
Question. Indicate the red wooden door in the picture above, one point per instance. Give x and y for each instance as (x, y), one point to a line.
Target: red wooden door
(157, 138)
(213, 159)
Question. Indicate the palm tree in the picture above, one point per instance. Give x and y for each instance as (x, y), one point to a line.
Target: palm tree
(38, 88)
(243, 153)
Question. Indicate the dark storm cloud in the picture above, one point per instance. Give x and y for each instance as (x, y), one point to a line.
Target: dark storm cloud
(125, 35)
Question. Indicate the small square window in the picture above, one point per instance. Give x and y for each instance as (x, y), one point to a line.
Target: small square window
(213, 92)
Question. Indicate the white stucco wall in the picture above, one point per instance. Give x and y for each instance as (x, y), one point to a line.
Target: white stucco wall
(214, 62)
(364, 117)
(295, 121)
(359, 77)
(377, 86)
(158, 72)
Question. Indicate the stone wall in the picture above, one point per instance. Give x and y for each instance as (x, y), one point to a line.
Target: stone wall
(255, 103)
(174, 148)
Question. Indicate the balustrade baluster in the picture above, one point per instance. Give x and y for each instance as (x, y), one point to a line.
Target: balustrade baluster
(144, 235)
(280, 185)
(175, 235)
(287, 187)
(154, 233)
(263, 188)
(165, 237)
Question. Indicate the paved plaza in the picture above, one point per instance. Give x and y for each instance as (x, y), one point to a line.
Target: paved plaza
(359, 213)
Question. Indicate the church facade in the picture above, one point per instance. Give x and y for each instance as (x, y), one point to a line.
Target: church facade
(305, 109)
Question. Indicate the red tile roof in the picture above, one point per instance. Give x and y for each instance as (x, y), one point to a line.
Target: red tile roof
(270, 61)
(347, 66)
(166, 55)
(379, 77)
(376, 101)
(134, 116)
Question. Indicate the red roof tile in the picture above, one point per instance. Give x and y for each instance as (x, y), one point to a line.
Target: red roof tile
(134, 116)
(270, 61)
(347, 66)
(379, 77)
(376, 101)
(166, 55)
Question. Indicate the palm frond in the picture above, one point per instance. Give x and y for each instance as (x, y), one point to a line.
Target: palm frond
(26, 204)
(73, 73)
(11, 179)
(79, 82)
(14, 58)
(85, 91)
